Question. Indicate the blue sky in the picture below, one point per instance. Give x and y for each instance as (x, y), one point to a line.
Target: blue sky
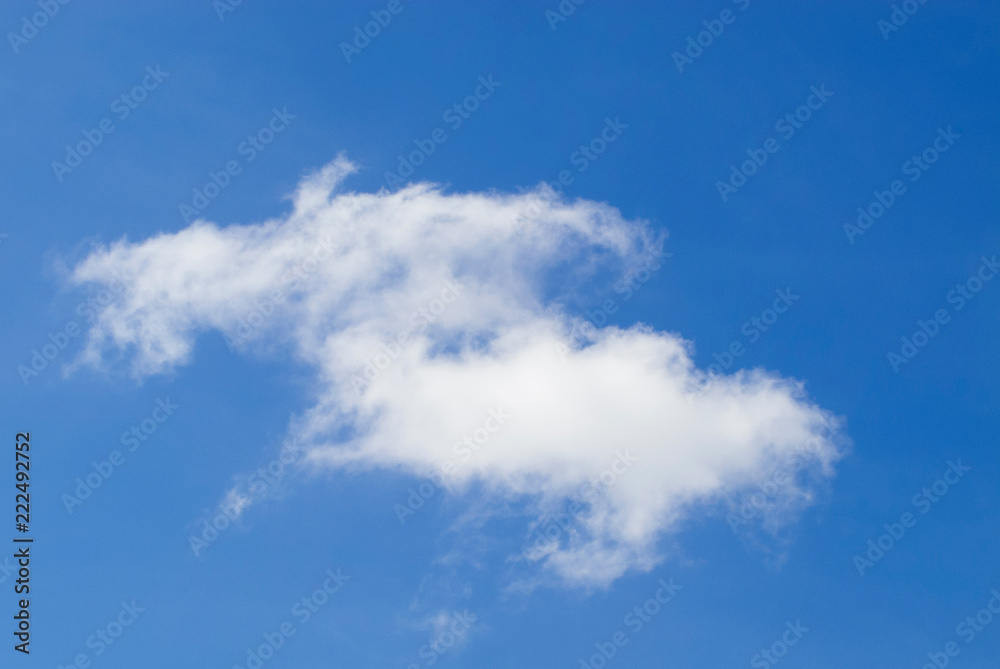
(554, 86)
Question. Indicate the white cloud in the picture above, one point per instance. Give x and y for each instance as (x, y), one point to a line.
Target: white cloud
(478, 295)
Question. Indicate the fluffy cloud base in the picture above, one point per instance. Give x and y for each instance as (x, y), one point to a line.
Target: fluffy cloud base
(434, 324)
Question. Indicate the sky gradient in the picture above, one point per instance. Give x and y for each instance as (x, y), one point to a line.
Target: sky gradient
(710, 192)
